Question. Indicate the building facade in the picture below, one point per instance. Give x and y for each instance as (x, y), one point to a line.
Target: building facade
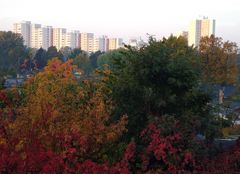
(23, 28)
(59, 37)
(37, 36)
(87, 42)
(114, 43)
(47, 37)
(200, 28)
(103, 43)
(73, 39)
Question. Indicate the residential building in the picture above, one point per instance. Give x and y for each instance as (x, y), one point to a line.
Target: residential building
(96, 46)
(36, 36)
(200, 28)
(47, 37)
(73, 39)
(59, 37)
(114, 43)
(23, 28)
(87, 42)
(120, 43)
(103, 43)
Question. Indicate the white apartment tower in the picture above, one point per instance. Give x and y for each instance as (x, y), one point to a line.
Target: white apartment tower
(103, 43)
(114, 43)
(23, 28)
(47, 37)
(41, 37)
(87, 42)
(72, 39)
(59, 37)
(200, 28)
(96, 44)
(36, 36)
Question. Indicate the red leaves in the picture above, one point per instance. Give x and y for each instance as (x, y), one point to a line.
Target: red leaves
(62, 127)
(164, 151)
(130, 152)
(160, 155)
(3, 98)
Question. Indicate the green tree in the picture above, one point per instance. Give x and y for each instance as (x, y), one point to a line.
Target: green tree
(27, 64)
(108, 58)
(52, 52)
(75, 52)
(159, 79)
(82, 61)
(93, 59)
(40, 59)
(12, 52)
(66, 52)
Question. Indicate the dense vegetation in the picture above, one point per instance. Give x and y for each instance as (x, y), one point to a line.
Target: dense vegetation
(142, 111)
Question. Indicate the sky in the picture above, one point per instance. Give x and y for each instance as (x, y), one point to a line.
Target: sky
(124, 18)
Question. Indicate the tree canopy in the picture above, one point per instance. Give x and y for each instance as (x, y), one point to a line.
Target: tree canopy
(144, 112)
(159, 79)
(218, 60)
(12, 52)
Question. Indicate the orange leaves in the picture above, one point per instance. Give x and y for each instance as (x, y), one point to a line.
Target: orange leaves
(56, 104)
(219, 60)
(58, 68)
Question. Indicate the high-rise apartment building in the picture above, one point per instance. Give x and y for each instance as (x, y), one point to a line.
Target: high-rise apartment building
(59, 37)
(23, 28)
(41, 37)
(36, 36)
(200, 28)
(114, 43)
(103, 43)
(87, 42)
(47, 37)
(96, 44)
(73, 39)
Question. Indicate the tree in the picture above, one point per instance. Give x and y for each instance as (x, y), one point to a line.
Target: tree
(52, 52)
(66, 52)
(82, 61)
(160, 79)
(218, 60)
(27, 65)
(40, 59)
(94, 58)
(75, 52)
(108, 58)
(55, 106)
(12, 52)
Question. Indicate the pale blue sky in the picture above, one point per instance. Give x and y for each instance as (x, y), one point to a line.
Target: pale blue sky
(124, 18)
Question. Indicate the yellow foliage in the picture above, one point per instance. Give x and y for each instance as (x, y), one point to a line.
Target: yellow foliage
(219, 60)
(56, 103)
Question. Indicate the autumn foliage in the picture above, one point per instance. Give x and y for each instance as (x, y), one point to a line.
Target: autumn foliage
(56, 123)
